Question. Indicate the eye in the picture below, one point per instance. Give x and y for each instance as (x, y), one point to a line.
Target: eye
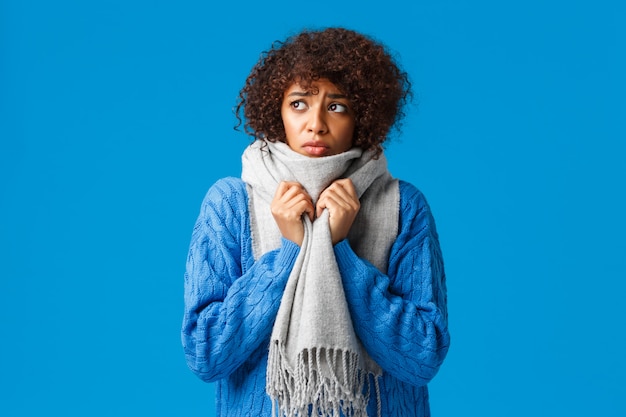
(338, 108)
(298, 105)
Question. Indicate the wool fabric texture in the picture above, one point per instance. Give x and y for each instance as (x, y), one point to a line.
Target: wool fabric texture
(316, 361)
(231, 301)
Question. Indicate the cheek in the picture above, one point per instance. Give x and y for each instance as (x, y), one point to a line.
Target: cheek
(286, 123)
(288, 126)
(348, 133)
(291, 129)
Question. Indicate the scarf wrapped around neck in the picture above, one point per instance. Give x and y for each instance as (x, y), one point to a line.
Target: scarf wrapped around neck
(316, 364)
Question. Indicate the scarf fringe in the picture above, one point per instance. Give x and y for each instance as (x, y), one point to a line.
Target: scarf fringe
(345, 391)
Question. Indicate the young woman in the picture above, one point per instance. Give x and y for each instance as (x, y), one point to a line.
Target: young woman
(315, 282)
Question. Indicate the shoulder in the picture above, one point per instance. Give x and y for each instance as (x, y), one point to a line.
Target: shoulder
(226, 197)
(229, 188)
(411, 198)
(415, 213)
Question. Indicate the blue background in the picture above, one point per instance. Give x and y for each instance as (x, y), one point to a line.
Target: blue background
(116, 117)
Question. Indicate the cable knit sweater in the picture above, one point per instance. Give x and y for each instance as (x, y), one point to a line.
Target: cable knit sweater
(231, 303)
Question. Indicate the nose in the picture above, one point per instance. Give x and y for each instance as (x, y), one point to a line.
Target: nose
(317, 121)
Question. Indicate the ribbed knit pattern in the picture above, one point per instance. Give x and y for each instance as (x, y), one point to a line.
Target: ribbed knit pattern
(231, 303)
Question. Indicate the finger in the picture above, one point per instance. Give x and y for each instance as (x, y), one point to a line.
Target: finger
(309, 210)
(334, 204)
(300, 204)
(343, 187)
(289, 193)
(292, 203)
(347, 185)
(336, 196)
(319, 208)
(284, 187)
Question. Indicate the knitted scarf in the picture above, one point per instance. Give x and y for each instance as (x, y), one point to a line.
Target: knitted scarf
(316, 364)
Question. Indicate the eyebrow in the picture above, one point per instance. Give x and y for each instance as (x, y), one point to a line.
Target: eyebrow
(308, 94)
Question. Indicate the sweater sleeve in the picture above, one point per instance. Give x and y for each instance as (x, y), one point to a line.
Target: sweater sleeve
(229, 308)
(401, 317)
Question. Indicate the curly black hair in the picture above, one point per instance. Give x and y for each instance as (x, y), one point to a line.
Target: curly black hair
(359, 66)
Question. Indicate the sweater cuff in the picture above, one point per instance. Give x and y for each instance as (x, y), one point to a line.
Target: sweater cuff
(346, 257)
(288, 252)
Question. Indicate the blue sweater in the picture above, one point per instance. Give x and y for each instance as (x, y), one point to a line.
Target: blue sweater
(231, 303)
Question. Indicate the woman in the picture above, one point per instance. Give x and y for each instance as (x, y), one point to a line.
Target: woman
(315, 282)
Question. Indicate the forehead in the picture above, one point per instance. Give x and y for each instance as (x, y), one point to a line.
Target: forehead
(322, 85)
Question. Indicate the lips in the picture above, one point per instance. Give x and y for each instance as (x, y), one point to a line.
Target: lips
(315, 148)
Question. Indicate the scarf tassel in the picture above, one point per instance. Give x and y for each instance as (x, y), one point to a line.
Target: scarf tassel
(343, 391)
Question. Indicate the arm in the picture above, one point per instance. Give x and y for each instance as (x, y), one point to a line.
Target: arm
(229, 314)
(401, 318)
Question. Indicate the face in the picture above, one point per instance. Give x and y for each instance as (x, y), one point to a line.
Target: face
(320, 124)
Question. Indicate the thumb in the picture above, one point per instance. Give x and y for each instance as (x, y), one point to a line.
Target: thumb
(319, 208)
(310, 213)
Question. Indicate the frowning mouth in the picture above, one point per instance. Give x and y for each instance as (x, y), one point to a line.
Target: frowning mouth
(315, 148)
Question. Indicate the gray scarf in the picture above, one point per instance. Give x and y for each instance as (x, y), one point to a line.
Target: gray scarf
(316, 363)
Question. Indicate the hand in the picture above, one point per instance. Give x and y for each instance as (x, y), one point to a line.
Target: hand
(343, 205)
(290, 203)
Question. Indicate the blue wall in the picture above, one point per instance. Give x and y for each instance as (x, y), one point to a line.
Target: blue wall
(116, 117)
